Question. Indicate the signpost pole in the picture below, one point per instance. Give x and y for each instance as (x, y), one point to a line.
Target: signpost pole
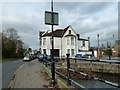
(51, 18)
(68, 67)
(52, 56)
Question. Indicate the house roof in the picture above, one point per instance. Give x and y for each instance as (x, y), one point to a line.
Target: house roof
(65, 29)
(60, 33)
(56, 33)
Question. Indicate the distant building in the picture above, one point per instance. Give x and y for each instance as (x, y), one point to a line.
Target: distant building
(65, 41)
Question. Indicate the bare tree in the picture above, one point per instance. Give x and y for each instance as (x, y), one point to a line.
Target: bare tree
(11, 33)
(12, 46)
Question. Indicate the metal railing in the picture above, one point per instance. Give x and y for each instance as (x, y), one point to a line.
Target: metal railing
(47, 64)
(80, 73)
(102, 80)
(97, 60)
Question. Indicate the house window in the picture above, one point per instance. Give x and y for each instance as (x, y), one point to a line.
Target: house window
(68, 51)
(50, 41)
(69, 31)
(72, 52)
(44, 41)
(75, 41)
(44, 51)
(72, 40)
(67, 40)
(83, 44)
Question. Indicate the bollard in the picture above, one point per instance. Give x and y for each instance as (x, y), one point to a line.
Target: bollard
(68, 67)
(75, 60)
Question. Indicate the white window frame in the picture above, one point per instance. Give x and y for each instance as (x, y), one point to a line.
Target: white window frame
(72, 40)
(68, 41)
(69, 31)
(72, 52)
(83, 43)
(68, 51)
(44, 41)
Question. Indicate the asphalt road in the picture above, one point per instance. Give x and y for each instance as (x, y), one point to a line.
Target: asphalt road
(8, 70)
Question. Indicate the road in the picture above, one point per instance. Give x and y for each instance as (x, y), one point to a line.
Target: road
(8, 70)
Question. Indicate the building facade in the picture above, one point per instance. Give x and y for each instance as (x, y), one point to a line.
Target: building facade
(65, 41)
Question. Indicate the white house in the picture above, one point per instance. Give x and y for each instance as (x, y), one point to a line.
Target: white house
(65, 41)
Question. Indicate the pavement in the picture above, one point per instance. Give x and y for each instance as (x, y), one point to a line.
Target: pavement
(30, 75)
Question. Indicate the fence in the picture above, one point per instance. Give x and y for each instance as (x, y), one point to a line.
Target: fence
(80, 73)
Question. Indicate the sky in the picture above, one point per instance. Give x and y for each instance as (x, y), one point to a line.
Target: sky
(86, 18)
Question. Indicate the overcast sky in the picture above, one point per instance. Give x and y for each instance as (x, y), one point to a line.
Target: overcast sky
(87, 18)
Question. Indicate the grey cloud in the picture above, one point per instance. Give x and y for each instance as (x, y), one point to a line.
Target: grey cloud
(70, 13)
(81, 7)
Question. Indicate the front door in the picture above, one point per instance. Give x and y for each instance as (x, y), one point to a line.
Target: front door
(55, 52)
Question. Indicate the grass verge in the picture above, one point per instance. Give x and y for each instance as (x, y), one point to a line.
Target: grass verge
(10, 59)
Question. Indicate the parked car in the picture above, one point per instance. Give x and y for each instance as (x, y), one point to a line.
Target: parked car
(56, 59)
(34, 56)
(88, 56)
(42, 57)
(27, 58)
(45, 57)
(78, 56)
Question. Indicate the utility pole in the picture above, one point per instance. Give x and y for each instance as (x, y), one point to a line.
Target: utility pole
(98, 46)
(113, 41)
(88, 42)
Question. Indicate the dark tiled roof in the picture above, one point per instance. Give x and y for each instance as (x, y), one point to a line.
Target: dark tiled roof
(61, 32)
(56, 33)
(65, 29)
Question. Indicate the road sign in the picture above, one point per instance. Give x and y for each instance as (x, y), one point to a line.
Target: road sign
(48, 18)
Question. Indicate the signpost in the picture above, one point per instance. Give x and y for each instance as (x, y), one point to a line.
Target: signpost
(51, 18)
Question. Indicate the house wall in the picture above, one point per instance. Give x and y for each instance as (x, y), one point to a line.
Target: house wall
(48, 46)
(57, 44)
(81, 47)
(65, 47)
(72, 32)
